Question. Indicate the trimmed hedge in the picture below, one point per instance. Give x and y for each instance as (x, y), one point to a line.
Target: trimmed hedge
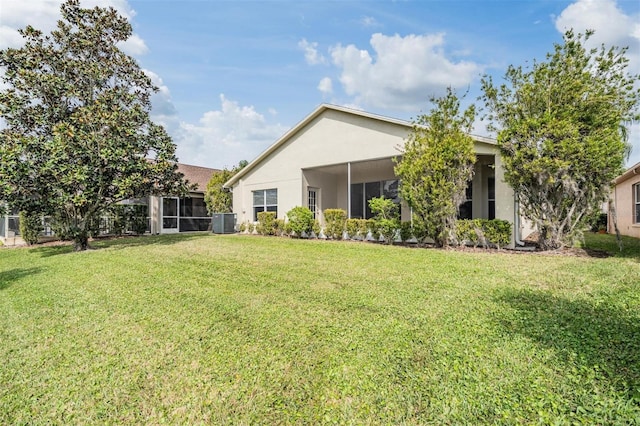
(266, 223)
(484, 232)
(30, 227)
(300, 221)
(335, 222)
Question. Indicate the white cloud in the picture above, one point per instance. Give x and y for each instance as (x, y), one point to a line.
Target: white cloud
(634, 140)
(311, 54)
(402, 72)
(611, 25)
(325, 86)
(224, 137)
(44, 14)
(369, 22)
(134, 46)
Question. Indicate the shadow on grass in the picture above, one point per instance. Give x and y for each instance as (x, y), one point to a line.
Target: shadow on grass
(146, 240)
(603, 245)
(585, 333)
(117, 243)
(7, 278)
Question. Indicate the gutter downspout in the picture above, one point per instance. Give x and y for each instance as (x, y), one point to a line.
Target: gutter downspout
(349, 190)
(516, 221)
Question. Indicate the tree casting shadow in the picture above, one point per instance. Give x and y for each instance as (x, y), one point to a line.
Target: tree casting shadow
(9, 277)
(593, 335)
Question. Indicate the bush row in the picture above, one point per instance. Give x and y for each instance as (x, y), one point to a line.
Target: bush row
(300, 223)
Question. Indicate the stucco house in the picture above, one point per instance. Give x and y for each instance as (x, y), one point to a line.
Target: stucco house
(338, 157)
(166, 214)
(625, 200)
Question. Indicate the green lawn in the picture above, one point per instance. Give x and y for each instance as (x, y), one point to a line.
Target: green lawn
(251, 330)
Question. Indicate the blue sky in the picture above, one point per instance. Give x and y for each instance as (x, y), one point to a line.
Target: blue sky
(235, 75)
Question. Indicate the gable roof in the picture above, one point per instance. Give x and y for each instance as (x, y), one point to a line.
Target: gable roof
(630, 172)
(314, 114)
(197, 175)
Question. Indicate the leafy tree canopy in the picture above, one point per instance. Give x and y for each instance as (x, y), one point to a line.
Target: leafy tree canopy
(561, 132)
(78, 136)
(217, 198)
(436, 164)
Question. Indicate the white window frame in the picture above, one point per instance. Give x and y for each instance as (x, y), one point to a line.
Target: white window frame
(636, 203)
(265, 207)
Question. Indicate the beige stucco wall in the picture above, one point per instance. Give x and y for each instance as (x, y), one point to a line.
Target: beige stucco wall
(624, 204)
(335, 138)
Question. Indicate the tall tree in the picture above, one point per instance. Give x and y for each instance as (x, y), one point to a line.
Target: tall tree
(561, 132)
(436, 164)
(217, 198)
(78, 135)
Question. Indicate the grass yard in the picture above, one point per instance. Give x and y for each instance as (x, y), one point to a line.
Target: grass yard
(251, 330)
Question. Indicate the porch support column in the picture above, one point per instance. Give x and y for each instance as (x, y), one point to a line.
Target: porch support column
(349, 190)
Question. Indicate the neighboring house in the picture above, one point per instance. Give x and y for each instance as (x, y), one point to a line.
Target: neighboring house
(338, 157)
(625, 200)
(165, 214)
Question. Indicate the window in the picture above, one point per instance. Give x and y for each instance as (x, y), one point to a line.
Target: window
(312, 201)
(465, 211)
(636, 202)
(491, 184)
(193, 215)
(361, 193)
(265, 200)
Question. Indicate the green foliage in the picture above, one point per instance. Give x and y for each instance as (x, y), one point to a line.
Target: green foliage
(484, 231)
(30, 226)
(560, 130)
(217, 198)
(128, 217)
(386, 217)
(266, 223)
(352, 226)
(300, 220)
(406, 231)
(335, 223)
(436, 164)
(279, 227)
(598, 221)
(315, 227)
(138, 219)
(281, 331)
(78, 135)
(372, 226)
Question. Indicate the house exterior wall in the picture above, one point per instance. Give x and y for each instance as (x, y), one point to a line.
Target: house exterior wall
(318, 154)
(334, 137)
(624, 202)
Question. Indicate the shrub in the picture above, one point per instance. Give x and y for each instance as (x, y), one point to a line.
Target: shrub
(386, 219)
(469, 231)
(266, 223)
(300, 220)
(60, 228)
(483, 231)
(406, 231)
(335, 220)
(138, 219)
(598, 222)
(279, 227)
(372, 227)
(315, 228)
(353, 228)
(119, 219)
(30, 226)
(498, 232)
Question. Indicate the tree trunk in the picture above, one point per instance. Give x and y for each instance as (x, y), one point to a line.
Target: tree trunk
(81, 241)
